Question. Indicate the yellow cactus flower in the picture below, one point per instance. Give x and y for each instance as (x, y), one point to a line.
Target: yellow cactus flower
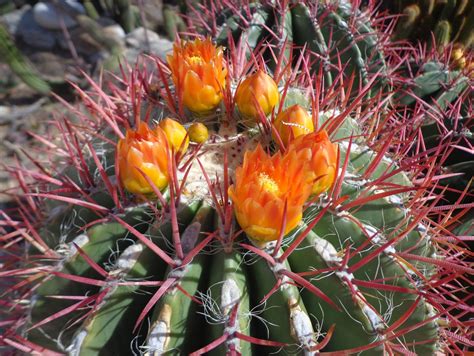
(262, 186)
(293, 122)
(199, 73)
(257, 88)
(321, 155)
(461, 59)
(176, 134)
(146, 150)
(198, 132)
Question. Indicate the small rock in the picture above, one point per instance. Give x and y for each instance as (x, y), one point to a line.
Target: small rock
(138, 38)
(49, 16)
(12, 19)
(33, 34)
(21, 23)
(115, 32)
(4, 111)
(137, 43)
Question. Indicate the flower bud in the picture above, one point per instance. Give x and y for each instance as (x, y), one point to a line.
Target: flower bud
(291, 123)
(257, 89)
(198, 132)
(176, 134)
(143, 150)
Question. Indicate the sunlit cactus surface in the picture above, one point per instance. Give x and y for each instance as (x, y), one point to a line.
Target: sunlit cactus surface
(174, 216)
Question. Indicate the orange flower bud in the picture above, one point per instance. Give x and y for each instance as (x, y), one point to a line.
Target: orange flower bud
(198, 132)
(257, 88)
(176, 134)
(293, 122)
(146, 150)
(321, 155)
(199, 74)
(262, 186)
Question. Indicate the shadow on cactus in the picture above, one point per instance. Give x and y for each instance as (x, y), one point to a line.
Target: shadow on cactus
(241, 243)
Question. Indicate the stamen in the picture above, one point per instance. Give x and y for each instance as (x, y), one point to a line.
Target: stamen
(267, 183)
(195, 60)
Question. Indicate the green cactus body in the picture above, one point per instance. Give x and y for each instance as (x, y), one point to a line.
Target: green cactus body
(435, 83)
(99, 243)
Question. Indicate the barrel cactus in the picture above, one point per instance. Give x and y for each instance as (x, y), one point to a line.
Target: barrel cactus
(130, 239)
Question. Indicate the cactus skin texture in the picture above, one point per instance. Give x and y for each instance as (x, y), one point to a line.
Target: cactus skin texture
(449, 21)
(107, 272)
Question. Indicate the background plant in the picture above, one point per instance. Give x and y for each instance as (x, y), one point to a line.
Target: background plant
(437, 23)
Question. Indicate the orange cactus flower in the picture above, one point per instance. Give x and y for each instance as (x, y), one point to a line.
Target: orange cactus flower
(199, 73)
(263, 184)
(321, 155)
(293, 122)
(146, 150)
(176, 134)
(257, 88)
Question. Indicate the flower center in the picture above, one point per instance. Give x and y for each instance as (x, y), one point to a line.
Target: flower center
(267, 183)
(195, 60)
